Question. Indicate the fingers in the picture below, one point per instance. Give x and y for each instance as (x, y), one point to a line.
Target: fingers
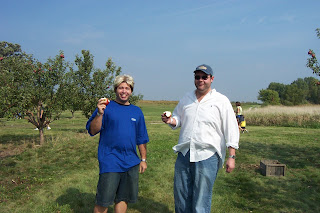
(102, 103)
(165, 119)
(143, 167)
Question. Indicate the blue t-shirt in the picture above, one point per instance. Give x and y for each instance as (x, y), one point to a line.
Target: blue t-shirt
(123, 128)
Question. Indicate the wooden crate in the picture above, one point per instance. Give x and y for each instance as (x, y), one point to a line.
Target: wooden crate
(272, 168)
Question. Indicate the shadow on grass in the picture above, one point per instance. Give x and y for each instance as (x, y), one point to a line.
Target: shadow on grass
(76, 130)
(84, 202)
(298, 191)
(291, 155)
(147, 205)
(272, 194)
(15, 139)
(77, 201)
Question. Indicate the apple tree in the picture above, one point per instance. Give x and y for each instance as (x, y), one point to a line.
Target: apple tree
(14, 69)
(312, 62)
(32, 89)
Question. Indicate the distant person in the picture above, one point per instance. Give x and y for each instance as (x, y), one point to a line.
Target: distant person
(122, 127)
(242, 125)
(239, 114)
(208, 128)
(40, 116)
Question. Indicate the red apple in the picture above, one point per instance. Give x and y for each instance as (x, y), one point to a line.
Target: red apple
(107, 101)
(61, 56)
(313, 55)
(1, 58)
(310, 52)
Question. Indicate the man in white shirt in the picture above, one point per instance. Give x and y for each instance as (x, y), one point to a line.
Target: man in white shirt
(208, 128)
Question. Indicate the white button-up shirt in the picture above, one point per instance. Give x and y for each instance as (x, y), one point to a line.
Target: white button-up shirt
(207, 127)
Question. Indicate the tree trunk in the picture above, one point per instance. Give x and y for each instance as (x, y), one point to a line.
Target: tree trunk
(41, 141)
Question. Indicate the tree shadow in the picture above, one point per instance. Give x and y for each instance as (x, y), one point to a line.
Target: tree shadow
(84, 202)
(78, 201)
(298, 190)
(16, 139)
(291, 155)
(147, 205)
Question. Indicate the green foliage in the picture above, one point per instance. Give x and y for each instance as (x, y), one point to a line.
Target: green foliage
(280, 88)
(300, 91)
(39, 91)
(14, 69)
(269, 96)
(94, 83)
(312, 62)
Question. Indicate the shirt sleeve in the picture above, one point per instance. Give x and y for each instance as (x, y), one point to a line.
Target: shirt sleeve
(230, 127)
(142, 133)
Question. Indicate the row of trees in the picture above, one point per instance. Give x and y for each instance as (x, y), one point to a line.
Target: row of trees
(40, 92)
(301, 91)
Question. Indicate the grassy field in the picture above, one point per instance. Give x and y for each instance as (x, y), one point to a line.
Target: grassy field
(61, 176)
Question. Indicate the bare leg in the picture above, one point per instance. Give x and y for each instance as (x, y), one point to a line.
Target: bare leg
(100, 209)
(121, 207)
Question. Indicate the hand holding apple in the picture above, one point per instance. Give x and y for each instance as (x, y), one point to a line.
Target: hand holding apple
(105, 100)
(167, 114)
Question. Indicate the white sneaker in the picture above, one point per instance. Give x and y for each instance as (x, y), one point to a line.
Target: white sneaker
(48, 128)
(36, 128)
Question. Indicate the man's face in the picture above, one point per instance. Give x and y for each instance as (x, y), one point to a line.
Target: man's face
(202, 81)
(123, 93)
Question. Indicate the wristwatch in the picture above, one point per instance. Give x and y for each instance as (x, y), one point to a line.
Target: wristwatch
(232, 156)
(144, 160)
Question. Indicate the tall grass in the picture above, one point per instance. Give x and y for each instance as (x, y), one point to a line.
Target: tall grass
(290, 116)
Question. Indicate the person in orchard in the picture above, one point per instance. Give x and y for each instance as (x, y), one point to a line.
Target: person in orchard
(208, 129)
(122, 128)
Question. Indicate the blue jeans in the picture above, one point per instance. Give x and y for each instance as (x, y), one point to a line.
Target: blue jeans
(193, 183)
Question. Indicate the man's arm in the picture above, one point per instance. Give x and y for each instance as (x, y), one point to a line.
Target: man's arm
(96, 123)
(143, 155)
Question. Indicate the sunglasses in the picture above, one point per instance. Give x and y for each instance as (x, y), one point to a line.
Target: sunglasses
(204, 77)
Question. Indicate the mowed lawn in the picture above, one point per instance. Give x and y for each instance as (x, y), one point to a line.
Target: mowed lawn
(61, 176)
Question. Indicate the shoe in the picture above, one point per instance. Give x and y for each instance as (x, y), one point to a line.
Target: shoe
(48, 128)
(36, 128)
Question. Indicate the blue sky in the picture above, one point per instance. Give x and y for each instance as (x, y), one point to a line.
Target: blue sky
(249, 44)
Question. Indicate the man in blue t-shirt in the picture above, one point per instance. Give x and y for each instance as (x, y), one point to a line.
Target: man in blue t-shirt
(122, 127)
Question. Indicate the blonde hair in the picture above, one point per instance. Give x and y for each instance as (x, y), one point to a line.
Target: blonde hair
(123, 78)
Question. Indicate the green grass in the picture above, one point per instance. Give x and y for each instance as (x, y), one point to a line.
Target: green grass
(61, 176)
